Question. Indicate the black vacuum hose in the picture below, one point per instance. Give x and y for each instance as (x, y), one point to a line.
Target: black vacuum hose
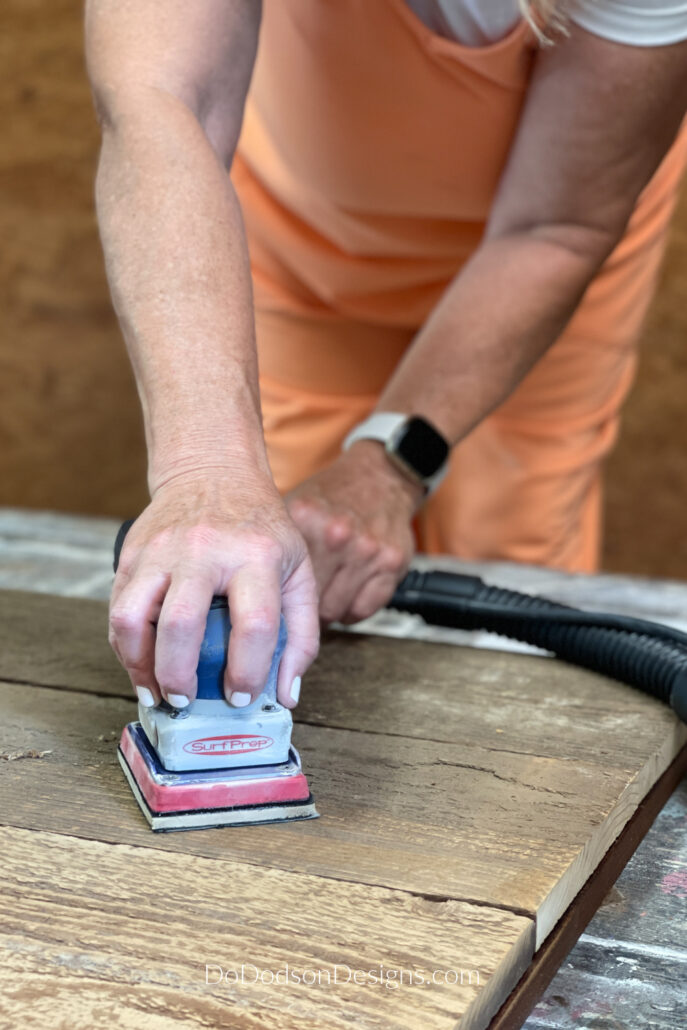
(643, 654)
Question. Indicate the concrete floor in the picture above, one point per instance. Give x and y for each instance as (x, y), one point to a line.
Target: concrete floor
(629, 969)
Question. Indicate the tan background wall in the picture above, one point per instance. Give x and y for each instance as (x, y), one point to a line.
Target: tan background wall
(70, 435)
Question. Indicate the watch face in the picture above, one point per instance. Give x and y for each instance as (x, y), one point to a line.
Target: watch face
(421, 447)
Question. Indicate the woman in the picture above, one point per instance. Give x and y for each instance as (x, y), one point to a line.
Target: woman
(449, 224)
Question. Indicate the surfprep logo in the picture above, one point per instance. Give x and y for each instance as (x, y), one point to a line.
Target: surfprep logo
(240, 744)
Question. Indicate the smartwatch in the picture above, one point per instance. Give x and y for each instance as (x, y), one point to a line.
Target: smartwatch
(412, 444)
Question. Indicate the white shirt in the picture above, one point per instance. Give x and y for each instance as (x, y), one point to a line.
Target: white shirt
(636, 22)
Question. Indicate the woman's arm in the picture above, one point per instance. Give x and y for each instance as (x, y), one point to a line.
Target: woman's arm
(597, 121)
(170, 79)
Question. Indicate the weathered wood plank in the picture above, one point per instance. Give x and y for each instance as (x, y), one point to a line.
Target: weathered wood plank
(615, 974)
(502, 701)
(490, 780)
(515, 831)
(89, 929)
(58, 642)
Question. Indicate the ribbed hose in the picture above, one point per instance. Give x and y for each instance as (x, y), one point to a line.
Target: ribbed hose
(642, 654)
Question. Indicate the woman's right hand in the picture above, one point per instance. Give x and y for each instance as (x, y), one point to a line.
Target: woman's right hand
(205, 534)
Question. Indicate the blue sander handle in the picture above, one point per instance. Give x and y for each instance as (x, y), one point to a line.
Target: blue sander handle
(213, 649)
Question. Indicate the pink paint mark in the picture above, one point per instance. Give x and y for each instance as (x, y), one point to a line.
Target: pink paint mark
(675, 883)
(592, 1007)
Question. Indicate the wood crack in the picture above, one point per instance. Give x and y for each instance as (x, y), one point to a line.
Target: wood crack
(246, 861)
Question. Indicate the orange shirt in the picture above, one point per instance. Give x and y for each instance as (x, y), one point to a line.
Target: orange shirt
(375, 149)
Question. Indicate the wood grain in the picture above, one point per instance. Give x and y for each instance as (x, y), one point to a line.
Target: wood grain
(501, 701)
(487, 780)
(450, 819)
(89, 930)
(591, 985)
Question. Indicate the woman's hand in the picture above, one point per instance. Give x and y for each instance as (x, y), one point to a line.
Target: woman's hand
(356, 518)
(212, 533)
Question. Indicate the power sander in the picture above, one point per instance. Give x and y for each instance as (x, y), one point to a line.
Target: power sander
(212, 764)
(215, 765)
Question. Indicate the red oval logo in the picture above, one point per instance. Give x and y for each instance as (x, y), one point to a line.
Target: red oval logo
(236, 745)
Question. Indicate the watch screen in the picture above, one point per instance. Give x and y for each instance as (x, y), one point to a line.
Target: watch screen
(422, 448)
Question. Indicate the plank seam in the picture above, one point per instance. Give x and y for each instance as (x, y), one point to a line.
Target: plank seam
(14, 681)
(437, 898)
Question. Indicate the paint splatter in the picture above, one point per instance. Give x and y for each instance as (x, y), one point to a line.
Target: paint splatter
(13, 756)
(675, 883)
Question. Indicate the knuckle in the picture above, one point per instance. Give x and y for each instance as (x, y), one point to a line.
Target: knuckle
(263, 548)
(366, 547)
(306, 512)
(259, 622)
(123, 620)
(126, 563)
(392, 558)
(339, 531)
(159, 541)
(301, 510)
(310, 650)
(179, 617)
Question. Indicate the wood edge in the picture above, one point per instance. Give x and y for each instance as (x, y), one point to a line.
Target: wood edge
(579, 913)
(505, 978)
(581, 869)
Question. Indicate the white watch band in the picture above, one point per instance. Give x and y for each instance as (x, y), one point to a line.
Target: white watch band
(382, 426)
(379, 426)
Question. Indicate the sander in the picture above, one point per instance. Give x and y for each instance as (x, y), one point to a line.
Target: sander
(215, 765)
(211, 764)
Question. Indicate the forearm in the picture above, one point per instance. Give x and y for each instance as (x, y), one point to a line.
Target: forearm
(498, 317)
(178, 268)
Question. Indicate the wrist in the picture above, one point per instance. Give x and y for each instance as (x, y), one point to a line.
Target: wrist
(412, 445)
(192, 425)
(371, 455)
(243, 459)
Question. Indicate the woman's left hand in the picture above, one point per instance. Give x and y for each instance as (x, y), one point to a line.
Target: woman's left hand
(356, 518)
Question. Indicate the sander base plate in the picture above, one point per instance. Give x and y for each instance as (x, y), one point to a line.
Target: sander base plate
(218, 797)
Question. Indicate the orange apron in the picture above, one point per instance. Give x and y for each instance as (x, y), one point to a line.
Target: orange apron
(369, 158)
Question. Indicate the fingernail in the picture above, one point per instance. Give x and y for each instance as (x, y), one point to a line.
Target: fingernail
(177, 700)
(296, 690)
(239, 699)
(145, 697)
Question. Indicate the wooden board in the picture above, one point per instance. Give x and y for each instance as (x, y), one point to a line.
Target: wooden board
(131, 929)
(467, 786)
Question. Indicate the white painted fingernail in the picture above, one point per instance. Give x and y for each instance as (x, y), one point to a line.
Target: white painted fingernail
(145, 697)
(239, 698)
(177, 700)
(296, 690)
